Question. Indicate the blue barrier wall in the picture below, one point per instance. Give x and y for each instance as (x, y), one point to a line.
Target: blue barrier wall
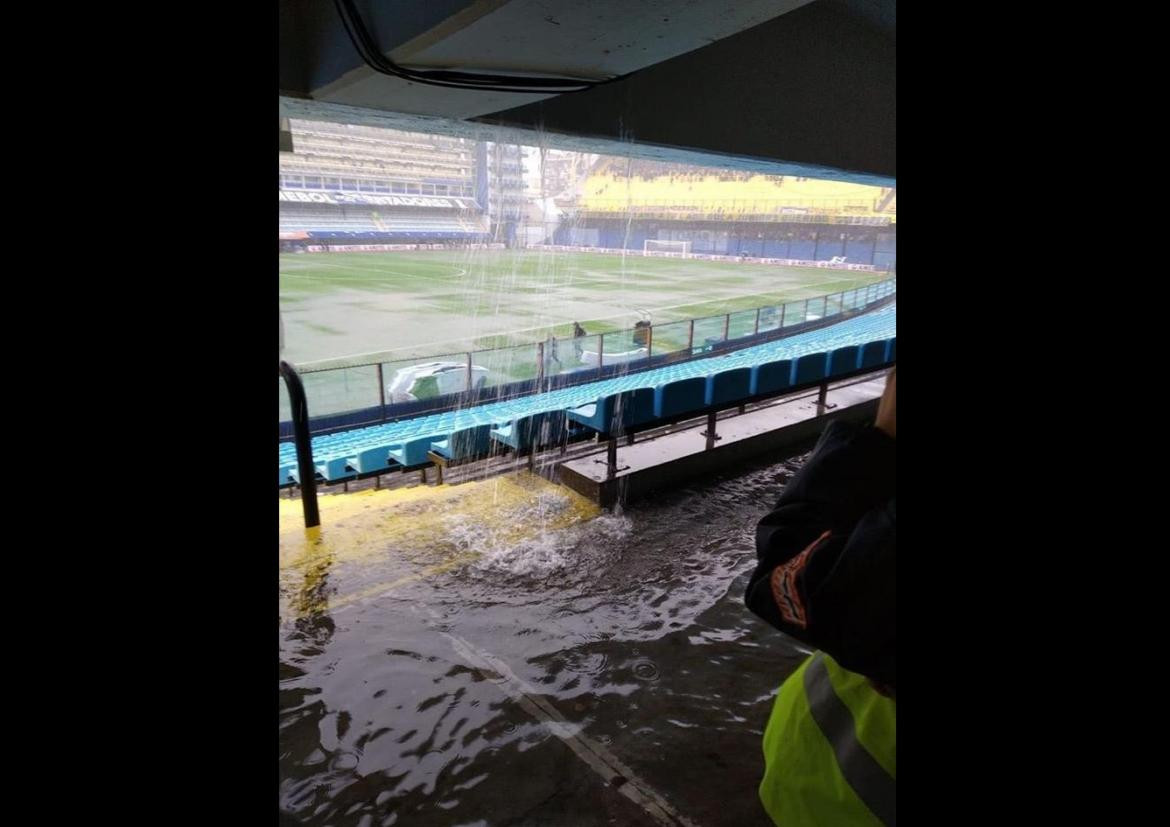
(804, 250)
(830, 247)
(859, 252)
(860, 245)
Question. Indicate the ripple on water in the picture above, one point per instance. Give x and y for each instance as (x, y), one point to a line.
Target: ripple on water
(592, 613)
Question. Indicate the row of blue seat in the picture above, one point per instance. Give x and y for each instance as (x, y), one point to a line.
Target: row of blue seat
(664, 392)
(617, 413)
(876, 325)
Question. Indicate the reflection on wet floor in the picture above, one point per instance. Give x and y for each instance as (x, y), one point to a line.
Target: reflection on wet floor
(502, 653)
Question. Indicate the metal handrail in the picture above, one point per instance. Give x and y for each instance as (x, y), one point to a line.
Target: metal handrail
(300, 415)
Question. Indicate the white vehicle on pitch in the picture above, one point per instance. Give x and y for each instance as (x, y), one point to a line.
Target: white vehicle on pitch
(433, 379)
(589, 357)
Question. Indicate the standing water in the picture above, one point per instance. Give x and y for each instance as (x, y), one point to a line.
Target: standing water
(500, 652)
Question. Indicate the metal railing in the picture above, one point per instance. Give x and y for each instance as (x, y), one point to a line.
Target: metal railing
(746, 217)
(471, 376)
(305, 468)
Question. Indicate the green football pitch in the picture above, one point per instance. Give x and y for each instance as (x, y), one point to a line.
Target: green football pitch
(351, 308)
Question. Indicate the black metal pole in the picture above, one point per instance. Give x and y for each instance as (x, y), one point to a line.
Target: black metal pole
(381, 393)
(300, 416)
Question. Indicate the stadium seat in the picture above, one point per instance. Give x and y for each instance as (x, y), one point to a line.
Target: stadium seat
(842, 360)
(413, 451)
(464, 444)
(334, 470)
(371, 459)
(810, 368)
(515, 434)
(635, 408)
(872, 354)
(616, 413)
(533, 432)
(728, 386)
(595, 415)
(770, 377)
(680, 397)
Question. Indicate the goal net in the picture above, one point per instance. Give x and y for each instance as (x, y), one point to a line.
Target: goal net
(680, 249)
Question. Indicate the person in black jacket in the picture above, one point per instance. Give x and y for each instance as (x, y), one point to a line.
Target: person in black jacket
(832, 537)
(827, 577)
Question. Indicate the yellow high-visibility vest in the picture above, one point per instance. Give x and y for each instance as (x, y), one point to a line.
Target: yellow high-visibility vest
(830, 750)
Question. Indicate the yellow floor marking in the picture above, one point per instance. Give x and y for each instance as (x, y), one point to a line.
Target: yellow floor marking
(418, 527)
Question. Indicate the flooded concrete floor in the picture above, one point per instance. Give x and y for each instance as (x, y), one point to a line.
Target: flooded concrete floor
(503, 653)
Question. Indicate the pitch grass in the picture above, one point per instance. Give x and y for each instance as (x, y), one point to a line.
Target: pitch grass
(357, 313)
(352, 308)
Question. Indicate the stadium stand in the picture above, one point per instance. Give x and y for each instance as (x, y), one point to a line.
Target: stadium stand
(379, 155)
(625, 203)
(657, 188)
(316, 219)
(670, 392)
(383, 184)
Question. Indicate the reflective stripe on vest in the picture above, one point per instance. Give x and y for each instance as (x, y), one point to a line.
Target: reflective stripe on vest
(873, 785)
(830, 749)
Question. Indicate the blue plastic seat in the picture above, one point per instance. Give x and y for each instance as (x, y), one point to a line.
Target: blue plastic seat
(616, 413)
(595, 415)
(413, 451)
(680, 397)
(633, 408)
(513, 434)
(536, 431)
(872, 354)
(809, 368)
(771, 377)
(464, 444)
(333, 469)
(728, 386)
(842, 360)
(371, 459)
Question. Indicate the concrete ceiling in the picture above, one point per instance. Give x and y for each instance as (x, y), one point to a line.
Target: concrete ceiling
(806, 84)
(594, 40)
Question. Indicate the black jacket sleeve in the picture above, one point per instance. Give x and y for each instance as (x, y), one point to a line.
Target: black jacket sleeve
(827, 553)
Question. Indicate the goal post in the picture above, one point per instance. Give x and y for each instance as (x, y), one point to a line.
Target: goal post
(675, 249)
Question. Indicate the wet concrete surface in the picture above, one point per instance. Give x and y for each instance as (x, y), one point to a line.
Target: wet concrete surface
(503, 653)
(662, 460)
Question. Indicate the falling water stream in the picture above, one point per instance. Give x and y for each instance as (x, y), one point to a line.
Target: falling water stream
(501, 652)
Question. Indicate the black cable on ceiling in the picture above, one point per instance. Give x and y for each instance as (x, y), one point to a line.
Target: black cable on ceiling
(368, 49)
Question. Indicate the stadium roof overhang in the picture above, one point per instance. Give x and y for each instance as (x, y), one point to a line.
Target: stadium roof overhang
(779, 85)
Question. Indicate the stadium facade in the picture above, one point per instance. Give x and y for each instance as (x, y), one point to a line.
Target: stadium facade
(358, 187)
(347, 184)
(623, 204)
